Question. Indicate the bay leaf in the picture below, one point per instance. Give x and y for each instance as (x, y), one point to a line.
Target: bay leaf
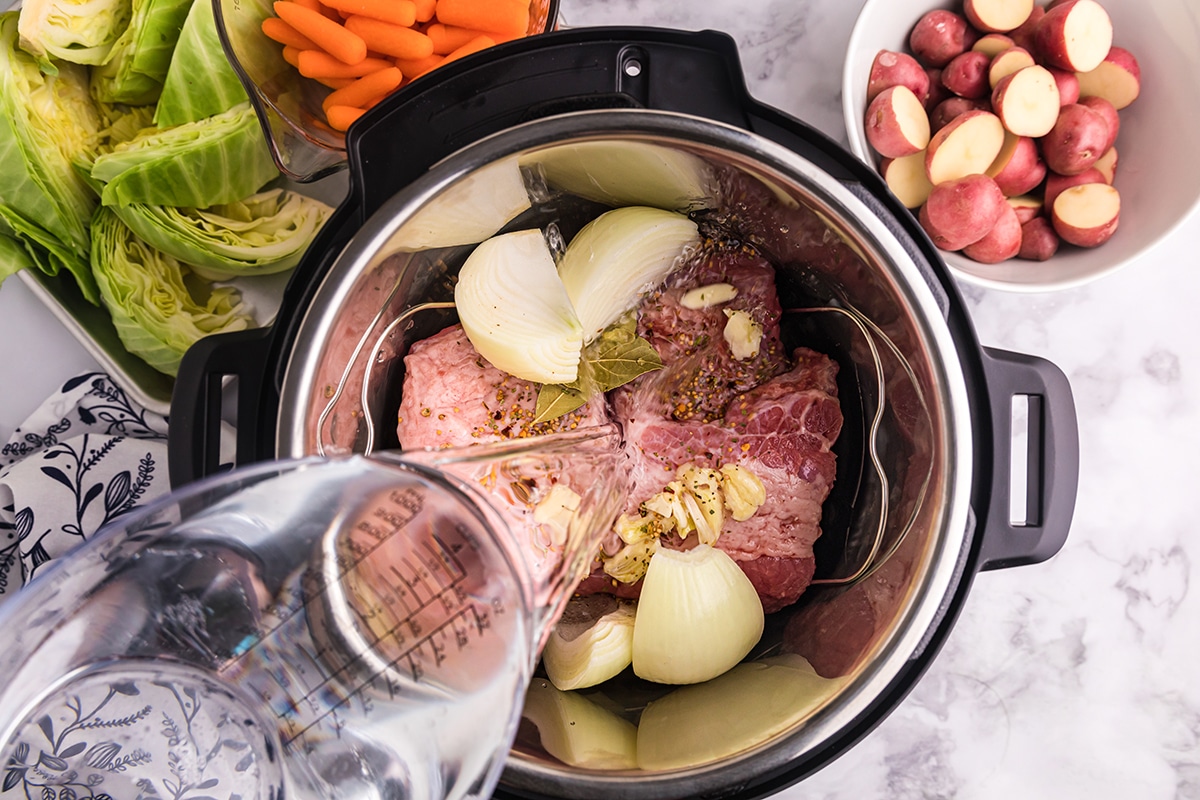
(554, 400)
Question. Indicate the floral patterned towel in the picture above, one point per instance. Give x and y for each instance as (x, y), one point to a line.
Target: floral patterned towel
(86, 456)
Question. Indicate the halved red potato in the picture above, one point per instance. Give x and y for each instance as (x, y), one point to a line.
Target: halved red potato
(1118, 78)
(960, 212)
(939, 36)
(1019, 167)
(1008, 62)
(1027, 206)
(1106, 165)
(967, 145)
(1112, 118)
(993, 44)
(897, 124)
(1001, 243)
(1075, 35)
(1087, 215)
(997, 16)
(1056, 184)
(1026, 35)
(890, 68)
(1039, 242)
(906, 177)
(1027, 101)
(1077, 140)
(952, 107)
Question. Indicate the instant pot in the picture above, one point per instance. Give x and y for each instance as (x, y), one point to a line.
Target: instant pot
(923, 496)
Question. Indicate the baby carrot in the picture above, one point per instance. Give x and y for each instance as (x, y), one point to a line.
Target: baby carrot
(473, 46)
(311, 5)
(333, 38)
(319, 64)
(334, 83)
(285, 34)
(448, 38)
(501, 16)
(364, 89)
(425, 10)
(341, 117)
(292, 55)
(393, 40)
(397, 12)
(415, 68)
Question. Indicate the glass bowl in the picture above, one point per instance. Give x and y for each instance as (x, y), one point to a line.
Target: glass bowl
(304, 146)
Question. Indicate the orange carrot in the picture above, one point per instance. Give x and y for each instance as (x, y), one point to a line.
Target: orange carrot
(333, 38)
(501, 16)
(448, 38)
(397, 12)
(364, 89)
(425, 10)
(319, 64)
(415, 68)
(393, 40)
(285, 34)
(292, 55)
(311, 5)
(473, 46)
(341, 117)
(335, 83)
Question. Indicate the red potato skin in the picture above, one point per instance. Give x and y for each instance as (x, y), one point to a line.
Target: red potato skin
(977, 23)
(967, 75)
(1026, 212)
(891, 69)
(937, 90)
(1001, 243)
(1039, 242)
(1056, 184)
(962, 211)
(1025, 35)
(1112, 118)
(1068, 86)
(939, 36)
(1023, 171)
(1076, 141)
(952, 107)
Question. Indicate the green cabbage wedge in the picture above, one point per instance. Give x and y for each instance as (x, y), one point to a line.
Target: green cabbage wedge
(77, 31)
(48, 122)
(155, 314)
(217, 160)
(137, 66)
(266, 233)
(200, 83)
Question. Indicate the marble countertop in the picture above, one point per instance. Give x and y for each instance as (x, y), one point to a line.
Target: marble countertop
(1073, 678)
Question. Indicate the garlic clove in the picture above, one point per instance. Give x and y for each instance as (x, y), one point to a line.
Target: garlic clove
(578, 732)
(592, 642)
(698, 615)
(742, 333)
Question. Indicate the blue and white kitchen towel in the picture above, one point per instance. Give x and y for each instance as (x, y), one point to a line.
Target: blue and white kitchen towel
(86, 456)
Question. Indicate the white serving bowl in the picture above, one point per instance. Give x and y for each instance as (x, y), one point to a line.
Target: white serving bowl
(1158, 174)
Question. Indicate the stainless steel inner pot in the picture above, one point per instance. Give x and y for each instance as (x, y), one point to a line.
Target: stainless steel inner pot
(862, 638)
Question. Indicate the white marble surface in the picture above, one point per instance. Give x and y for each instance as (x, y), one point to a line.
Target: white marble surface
(1075, 678)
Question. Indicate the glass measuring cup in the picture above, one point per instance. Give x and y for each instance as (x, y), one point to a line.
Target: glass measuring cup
(359, 627)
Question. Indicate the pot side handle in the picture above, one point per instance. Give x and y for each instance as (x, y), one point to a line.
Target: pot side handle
(1052, 462)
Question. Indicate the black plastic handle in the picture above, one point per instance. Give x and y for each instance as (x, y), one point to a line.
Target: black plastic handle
(1052, 464)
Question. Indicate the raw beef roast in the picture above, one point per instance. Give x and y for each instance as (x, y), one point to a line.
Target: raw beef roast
(773, 414)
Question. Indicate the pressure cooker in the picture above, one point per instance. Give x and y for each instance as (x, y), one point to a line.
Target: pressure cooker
(923, 497)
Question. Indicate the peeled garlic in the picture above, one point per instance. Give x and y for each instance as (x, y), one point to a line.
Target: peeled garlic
(698, 616)
(744, 492)
(707, 507)
(708, 296)
(742, 334)
(578, 732)
(592, 642)
(630, 562)
(556, 510)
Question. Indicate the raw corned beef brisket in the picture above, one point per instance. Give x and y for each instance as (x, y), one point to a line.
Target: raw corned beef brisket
(775, 413)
